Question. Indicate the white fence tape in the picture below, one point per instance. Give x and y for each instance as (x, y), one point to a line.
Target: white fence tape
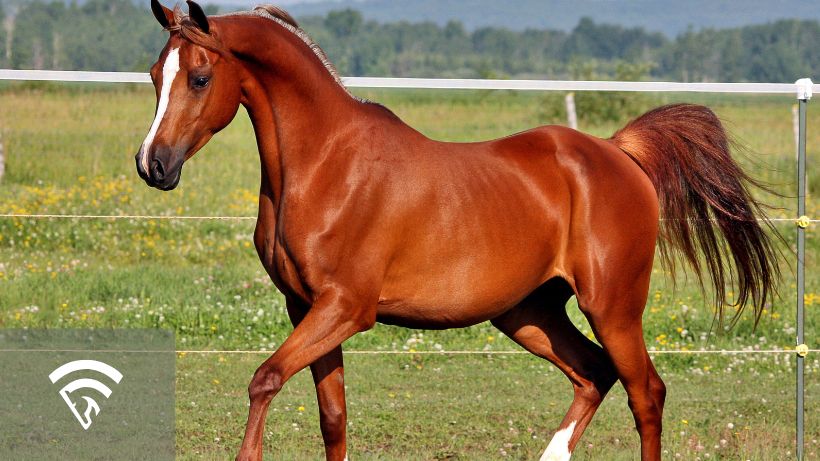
(443, 83)
(74, 76)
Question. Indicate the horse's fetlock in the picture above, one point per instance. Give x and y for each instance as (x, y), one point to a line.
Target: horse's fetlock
(333, 421)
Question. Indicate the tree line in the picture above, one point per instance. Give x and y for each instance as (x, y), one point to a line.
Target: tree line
(117, 35)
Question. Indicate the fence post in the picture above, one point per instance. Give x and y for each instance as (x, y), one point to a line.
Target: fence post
(572, 117)
(804, 88)
(2, 159)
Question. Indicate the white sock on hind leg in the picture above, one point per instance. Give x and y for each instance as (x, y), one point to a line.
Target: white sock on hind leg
(558, 449)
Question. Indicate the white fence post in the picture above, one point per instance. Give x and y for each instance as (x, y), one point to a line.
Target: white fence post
(572, 118)
(796, 127)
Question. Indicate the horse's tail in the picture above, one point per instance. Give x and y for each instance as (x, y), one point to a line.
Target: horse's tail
(684, 150)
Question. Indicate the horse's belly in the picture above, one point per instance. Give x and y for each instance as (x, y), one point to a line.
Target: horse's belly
(457, 297)
(435, 317)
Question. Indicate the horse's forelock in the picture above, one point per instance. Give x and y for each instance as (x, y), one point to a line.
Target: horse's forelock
(190, 31)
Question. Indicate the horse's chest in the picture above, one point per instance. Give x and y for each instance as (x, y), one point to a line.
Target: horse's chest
(278, 264)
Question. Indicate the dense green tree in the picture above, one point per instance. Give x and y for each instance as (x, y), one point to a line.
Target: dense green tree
(344, 23)
(119, 35)
(778, 52)
(604, 41)
(35, 36)
(732, 62)
(782, 51)
(106, 36)
(2, 36)
(102, 35)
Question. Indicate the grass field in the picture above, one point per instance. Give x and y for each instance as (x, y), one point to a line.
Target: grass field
(70, 151)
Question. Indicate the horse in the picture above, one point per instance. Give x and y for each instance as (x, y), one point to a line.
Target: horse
(363, 219)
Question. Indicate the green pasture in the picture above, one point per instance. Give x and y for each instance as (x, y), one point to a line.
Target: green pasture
(70, 150)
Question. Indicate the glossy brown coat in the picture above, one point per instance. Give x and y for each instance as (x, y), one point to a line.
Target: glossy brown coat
(362, 219)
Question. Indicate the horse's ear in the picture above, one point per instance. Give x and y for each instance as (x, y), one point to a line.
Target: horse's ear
(199, 17)
(164, 16)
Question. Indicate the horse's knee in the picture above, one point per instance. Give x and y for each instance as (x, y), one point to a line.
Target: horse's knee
(265, 384)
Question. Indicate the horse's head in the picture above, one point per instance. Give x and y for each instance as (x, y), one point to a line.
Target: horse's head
(198, 94)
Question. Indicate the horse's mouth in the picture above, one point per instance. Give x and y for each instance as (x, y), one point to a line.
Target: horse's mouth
(169, 182)
(166, 185)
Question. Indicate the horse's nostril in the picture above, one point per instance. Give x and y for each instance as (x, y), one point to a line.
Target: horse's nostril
(157, 170)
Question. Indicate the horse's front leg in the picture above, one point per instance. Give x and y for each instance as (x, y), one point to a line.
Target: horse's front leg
(332, 319)
(328, 376)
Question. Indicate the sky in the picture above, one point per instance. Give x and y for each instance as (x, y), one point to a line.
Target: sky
(669, 16)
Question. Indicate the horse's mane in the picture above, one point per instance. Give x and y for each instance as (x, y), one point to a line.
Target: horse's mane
(190, 31)
(278, 13)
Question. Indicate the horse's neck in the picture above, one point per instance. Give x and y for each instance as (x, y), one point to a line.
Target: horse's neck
(264, 128)
(308, 105)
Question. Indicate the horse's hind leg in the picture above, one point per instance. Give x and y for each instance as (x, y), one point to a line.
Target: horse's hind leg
(615, 317)
(540, 325)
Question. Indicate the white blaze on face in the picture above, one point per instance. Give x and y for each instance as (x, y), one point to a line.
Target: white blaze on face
(558, 449)
(169, 72)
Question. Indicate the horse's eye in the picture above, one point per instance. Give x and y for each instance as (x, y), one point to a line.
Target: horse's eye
(200, 82)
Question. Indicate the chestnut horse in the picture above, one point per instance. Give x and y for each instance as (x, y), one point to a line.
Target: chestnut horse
(362, 219)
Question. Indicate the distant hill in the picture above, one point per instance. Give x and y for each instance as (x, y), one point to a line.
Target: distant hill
(668, 16)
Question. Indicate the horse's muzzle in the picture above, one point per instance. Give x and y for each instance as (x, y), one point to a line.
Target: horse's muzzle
(163, 171)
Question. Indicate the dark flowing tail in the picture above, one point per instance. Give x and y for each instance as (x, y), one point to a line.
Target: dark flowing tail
(705, 203)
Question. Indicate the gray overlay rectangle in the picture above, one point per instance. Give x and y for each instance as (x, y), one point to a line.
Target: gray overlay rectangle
(134, 367)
